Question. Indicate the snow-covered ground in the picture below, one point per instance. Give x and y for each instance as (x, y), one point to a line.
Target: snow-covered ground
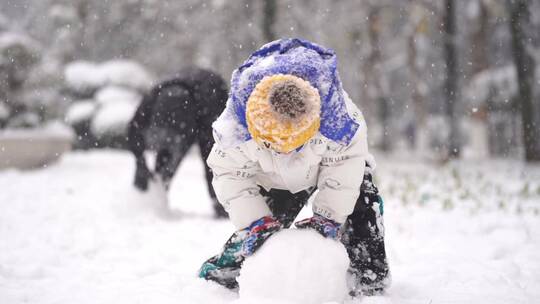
(77, 232)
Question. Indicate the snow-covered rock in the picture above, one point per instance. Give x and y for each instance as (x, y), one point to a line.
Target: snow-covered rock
(296, 266)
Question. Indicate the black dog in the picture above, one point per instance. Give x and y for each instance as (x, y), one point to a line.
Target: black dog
(175, 114)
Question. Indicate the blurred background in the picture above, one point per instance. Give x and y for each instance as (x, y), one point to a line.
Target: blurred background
(450, 90)
(441, 79)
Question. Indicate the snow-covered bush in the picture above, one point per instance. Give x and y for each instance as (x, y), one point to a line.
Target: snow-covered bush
(115, 108)
(106, 97)
(18, 53)
(126, 73)
(112, 119)
(83, 78)
(113, 94)
(80, 111)
(29, 84)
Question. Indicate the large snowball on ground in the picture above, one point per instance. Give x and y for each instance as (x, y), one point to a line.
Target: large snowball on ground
(298, 266)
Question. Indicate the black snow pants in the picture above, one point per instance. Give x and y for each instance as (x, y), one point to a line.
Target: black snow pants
(363, 234)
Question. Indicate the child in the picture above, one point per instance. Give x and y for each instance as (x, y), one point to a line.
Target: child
(175, 114)
(289, 129)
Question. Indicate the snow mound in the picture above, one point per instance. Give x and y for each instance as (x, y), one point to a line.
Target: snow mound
(296, 266)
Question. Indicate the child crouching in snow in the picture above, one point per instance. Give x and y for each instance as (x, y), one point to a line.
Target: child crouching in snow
(289, 129)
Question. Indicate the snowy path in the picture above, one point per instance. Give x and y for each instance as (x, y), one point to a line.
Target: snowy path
(77, 232)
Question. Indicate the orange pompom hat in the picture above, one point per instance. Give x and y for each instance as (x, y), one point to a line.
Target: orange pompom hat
(283, 112)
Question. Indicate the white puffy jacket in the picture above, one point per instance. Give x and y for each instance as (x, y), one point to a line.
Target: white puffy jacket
(336, 170)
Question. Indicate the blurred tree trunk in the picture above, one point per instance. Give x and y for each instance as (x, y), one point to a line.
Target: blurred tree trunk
(451, 81)
(378, 103)
(479, 40)
(525, 71)
(82, 9)
(417, 31)
(479, 45)
(269, 19)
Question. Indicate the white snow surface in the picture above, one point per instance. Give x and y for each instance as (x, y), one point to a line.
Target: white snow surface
(78, 232)
(301, 264)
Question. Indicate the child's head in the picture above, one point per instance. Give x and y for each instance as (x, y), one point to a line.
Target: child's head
(283, 112)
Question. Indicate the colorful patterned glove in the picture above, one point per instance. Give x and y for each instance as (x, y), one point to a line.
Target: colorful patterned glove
(225, 267)
(326, 227)
(258, 232)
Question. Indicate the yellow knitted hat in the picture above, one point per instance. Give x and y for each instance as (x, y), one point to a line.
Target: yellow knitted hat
(283, 112)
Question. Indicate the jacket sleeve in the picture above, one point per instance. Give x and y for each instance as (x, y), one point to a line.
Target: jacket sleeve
(235, 186)
(341, 174)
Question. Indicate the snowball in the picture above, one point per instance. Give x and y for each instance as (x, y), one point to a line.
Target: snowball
(298, 266)
(112, 94)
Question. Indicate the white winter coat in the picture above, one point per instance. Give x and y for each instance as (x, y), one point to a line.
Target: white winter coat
(336, 170)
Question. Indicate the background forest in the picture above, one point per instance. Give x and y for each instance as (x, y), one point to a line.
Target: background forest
(440, 78)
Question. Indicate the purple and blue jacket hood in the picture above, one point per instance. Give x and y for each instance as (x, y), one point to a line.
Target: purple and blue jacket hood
(297, 57)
